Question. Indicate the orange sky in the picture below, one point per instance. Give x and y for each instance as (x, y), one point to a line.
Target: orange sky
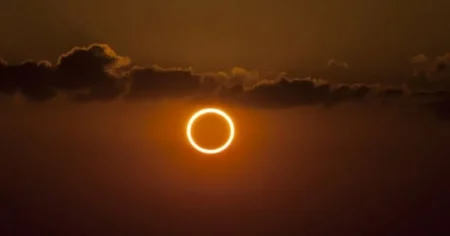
(372, 35)
(341, 112)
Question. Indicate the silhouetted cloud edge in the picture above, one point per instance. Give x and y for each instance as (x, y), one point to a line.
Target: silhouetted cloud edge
(98, 73)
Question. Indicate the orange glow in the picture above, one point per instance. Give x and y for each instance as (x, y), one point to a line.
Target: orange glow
(210, 111)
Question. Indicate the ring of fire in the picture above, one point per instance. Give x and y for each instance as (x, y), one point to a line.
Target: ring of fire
(204, 112)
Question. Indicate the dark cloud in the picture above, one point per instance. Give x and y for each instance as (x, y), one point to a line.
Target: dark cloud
(354, 92)
(392, 92)
(86, 73)
(156, 82)
(333, 62)
(96, 70)
(442, 94)
(97, 73)
(83, 68)
(287, 92)
(419, 59)
(430, 72)
(32, 79)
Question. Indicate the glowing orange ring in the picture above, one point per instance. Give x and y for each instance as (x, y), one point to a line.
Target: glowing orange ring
(208, 111)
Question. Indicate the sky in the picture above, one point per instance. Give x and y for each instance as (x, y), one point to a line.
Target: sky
(341, 110)
(268, 35)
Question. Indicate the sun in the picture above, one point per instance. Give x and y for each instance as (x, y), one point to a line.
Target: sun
(204, 112)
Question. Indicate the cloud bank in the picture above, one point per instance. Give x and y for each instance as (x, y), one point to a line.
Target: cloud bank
(98, 73)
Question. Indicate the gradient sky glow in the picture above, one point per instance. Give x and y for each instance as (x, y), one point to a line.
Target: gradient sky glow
(288, 35)
(341, 111)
